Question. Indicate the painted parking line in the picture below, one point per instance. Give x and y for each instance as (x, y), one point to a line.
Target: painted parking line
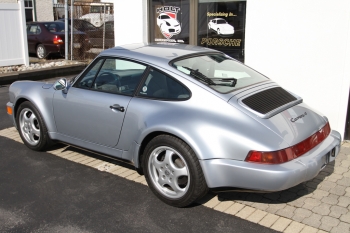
(319, 205)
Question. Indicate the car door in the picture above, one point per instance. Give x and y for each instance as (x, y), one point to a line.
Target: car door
(33, 31)
(93, 109)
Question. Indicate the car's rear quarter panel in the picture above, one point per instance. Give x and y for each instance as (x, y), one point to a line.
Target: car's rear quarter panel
(208, 124)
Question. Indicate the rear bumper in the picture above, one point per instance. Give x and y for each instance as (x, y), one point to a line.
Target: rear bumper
(52, 48)
(225, 173)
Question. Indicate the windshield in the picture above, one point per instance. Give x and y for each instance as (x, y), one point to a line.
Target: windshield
(219, 72)
(221, 21)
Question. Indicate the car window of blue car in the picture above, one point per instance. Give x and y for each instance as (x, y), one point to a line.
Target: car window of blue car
(113, 75)
(158, 85)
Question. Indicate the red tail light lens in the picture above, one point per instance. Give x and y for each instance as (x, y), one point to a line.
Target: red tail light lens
(290, 153)
(57, 40)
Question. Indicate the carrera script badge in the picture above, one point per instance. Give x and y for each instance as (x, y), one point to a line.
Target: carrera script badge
(298, 117)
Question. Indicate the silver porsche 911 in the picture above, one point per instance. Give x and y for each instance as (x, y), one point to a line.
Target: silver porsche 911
(190, 118)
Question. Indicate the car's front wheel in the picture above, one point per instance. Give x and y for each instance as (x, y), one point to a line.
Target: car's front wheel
(40, 51)
(173, 172)
(218, 31)
(31, 127)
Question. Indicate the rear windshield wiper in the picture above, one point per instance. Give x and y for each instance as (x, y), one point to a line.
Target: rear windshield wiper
(198, 75)
(227, 81)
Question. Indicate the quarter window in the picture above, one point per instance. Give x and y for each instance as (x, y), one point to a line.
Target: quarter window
(160, 86)
(33, 29)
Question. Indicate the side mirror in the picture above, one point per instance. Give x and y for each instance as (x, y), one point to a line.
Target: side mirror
(61, 84)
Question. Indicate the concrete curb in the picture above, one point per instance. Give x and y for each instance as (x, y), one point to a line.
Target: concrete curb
(39, 74)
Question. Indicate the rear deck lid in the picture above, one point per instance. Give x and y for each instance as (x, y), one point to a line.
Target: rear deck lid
(280, 111)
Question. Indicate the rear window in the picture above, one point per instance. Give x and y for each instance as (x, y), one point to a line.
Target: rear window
(219, 72)
(56, 26)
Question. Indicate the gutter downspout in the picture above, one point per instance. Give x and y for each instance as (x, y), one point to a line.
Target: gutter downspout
(34, 10)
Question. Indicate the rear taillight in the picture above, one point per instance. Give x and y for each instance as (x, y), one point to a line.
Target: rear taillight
(290, 153)
(57, 40)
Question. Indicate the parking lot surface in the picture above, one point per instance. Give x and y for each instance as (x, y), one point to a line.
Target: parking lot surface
(319, 205)
(43, 192)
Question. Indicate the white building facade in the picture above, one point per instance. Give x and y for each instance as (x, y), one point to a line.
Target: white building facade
(302, 45)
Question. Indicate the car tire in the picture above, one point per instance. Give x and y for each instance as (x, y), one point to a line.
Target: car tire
(209, 26)
(218, 31)
(173, 172)
(41, 51)
(31, 127)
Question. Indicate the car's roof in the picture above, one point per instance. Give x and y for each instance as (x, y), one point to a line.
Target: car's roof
(40, 22)
(155, 52)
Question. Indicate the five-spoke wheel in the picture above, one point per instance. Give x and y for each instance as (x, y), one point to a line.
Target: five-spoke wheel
(169, 172)
(172, 171)
(31, 127)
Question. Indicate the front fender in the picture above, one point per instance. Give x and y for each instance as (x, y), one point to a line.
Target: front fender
(41, 98)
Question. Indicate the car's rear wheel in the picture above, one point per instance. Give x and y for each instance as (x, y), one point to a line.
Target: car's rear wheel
(40, 51)
(173, 172)
(31, 127)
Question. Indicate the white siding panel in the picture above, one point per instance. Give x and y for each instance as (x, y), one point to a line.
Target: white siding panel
(13, 39)
(305, 47)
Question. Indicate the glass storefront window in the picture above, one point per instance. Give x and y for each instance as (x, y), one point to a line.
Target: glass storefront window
(221, 26)
(169, 21)
(217, 24)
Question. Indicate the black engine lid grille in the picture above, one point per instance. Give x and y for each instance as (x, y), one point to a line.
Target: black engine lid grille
(269, 100)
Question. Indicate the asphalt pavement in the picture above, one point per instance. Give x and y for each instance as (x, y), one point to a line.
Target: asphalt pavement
(40, 192)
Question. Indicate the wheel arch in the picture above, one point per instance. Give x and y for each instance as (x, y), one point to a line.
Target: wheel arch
(146, 140)
(17, 104)
(21, 100)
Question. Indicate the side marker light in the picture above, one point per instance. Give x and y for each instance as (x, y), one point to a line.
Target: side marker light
(9, 110)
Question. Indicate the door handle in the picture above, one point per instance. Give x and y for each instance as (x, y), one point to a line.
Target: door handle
(117, 107)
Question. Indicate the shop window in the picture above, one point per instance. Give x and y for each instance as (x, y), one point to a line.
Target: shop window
(221, 26)
(169, 21)
(216, 24)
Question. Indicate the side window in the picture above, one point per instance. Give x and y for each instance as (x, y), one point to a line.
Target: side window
(53, 28)
(161, 86)
(119, 76)
(115, 76)
(88, 79)
(33, 29)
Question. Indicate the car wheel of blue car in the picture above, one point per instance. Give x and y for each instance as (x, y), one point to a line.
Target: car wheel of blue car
(173, 172)
(31, 127)
(40, 51)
